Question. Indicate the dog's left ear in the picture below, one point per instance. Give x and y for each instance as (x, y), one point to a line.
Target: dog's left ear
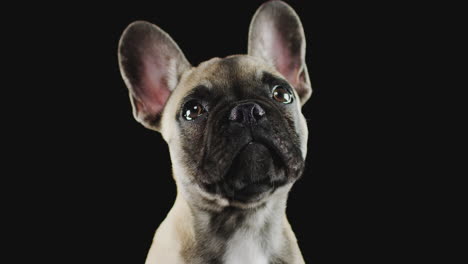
(276, 35)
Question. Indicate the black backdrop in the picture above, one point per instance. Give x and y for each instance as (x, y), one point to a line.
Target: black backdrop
(115, 176)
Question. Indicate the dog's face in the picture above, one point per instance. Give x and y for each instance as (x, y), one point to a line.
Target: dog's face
(234, 125)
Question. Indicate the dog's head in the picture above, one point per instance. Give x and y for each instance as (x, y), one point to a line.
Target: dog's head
(234, 125)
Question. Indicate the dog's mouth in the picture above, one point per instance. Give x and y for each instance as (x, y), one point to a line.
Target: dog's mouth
(245, 162)
(256, 170)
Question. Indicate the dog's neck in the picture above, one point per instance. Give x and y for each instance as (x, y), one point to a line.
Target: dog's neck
(241, 235)
(232, 235)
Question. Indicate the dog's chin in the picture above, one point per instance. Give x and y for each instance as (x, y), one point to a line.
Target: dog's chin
(256, 171)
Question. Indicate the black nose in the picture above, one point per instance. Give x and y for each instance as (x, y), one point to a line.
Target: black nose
(247, 113)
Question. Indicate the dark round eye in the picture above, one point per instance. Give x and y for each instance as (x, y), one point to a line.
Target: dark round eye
(192, 110)
(282, 95)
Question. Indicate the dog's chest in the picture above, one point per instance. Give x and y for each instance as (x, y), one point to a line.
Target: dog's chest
(243, 248)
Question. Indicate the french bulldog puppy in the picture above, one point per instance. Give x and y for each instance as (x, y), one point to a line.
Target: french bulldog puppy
(236, 134)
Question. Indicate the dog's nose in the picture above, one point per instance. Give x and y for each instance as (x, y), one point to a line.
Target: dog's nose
(247, 113)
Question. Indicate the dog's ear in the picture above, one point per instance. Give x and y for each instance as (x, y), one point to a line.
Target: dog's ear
(151, 65)
(276, 35)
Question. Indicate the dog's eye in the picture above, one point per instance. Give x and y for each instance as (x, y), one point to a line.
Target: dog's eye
(192, 110)
(282, 95)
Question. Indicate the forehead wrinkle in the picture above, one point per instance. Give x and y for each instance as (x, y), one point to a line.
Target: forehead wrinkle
(236, 73)
(206, 83)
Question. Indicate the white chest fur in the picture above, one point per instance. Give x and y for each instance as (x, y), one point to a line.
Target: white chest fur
(244, 247)
(249, 244)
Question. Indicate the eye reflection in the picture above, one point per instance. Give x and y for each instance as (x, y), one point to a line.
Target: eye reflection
(282, 95)
(192, 110)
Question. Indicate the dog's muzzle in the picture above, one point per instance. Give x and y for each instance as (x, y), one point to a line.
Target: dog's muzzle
(261, 155)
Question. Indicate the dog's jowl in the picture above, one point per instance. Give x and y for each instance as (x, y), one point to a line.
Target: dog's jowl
(236, 136)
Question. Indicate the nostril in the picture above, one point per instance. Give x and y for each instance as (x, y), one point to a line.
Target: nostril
(246, 113)
(257, 112)
(236, 114)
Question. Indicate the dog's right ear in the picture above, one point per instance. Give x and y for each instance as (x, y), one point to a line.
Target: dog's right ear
(151, 65)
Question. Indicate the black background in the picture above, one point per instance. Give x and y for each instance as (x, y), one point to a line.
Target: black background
(114, 176)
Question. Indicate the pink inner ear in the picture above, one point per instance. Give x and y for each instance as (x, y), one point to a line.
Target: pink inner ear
(284, 61)
(154, 88)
